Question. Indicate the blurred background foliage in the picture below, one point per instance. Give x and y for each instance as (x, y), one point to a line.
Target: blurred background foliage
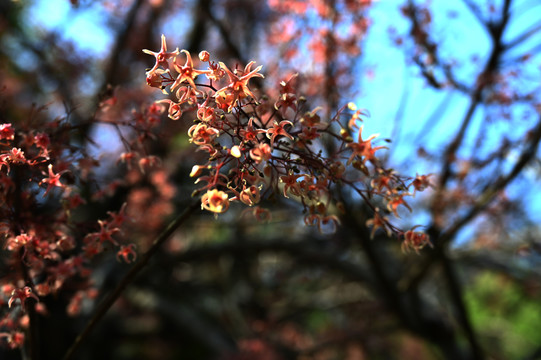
(453, 85)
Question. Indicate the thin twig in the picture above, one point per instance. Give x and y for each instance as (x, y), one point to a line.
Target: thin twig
(523, 37)
(491, 191)
(483, 81)
(484, 200)
(129, 277)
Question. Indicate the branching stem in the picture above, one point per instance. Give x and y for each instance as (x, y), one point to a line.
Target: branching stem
(129, 277)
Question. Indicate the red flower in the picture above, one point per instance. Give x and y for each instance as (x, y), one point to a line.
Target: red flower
(415, 240)
(363, 148)
(278, 130)
(186, 72)
(106, 232)
(215, 201)
(201, 134)
(261, 153)
(395, 202)
(127, 253)
(14, 340)
(6, 132)
(52, 180)
(377, 222)
(421, 182)
(238, 89)
(174, 112)
(22, 295)
(162, 56)
(291, 184)
(286, 101)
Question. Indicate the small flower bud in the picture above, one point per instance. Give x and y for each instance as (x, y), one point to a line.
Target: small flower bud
(154, 79)
(204, 56)
(235, 151)
(359, 165)
(196, 170)
(345, 135)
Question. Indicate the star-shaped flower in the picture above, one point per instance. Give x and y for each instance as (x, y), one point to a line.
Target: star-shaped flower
(161, 56)
(229, 96)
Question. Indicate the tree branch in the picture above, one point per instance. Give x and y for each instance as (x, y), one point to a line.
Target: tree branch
(484, 79)
(129, 277)
(491, 191)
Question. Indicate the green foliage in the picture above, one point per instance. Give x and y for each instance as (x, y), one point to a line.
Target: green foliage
(507, 318)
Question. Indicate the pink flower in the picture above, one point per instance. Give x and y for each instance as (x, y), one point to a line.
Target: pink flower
(291, 184)
(229, 96)
(127, 253)
(249, 133)
(363, 148)
(22, 295)
(415, 240)
(186, 72)
(421, 182)
(6, 132)
(155, 79)
(377, 222)
(215, 201)
(162, 56)
(286, 101)
(106, 232)
(53, 180)
(249, 195)
(174, 112)
(202, 134)
(120, 217)
(14, 340)
(278, 130)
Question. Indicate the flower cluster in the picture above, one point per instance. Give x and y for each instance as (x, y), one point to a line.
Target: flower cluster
(257, 147)
(45, 248)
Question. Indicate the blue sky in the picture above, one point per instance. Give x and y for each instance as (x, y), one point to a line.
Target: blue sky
(85, 27)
